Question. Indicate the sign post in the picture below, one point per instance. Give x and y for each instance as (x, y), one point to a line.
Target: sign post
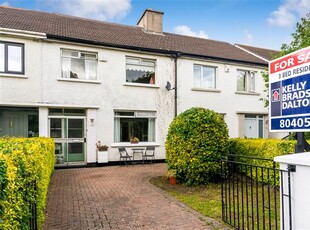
(289, 85)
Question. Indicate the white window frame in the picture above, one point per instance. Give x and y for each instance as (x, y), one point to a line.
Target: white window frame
(143, 63)
(250, 81)
(80, 55)
(4, 65)
(214, 85)
(135, 114)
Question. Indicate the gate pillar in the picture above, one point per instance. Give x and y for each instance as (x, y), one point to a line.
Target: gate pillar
(294, 192)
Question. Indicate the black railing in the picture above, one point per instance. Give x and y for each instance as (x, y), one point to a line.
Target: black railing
(33, 210)
(251, 193)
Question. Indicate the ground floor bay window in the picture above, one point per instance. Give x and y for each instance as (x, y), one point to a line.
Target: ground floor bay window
(140, 124)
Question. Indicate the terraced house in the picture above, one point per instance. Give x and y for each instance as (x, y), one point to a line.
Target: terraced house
(80, 81)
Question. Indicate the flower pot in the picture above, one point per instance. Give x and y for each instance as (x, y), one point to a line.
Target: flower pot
(60, 160)
(103, 148)
(172, 180)
(102, 156)
(134, 142)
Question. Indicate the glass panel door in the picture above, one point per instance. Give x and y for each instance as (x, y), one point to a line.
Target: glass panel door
(76, 143)
(69, 137)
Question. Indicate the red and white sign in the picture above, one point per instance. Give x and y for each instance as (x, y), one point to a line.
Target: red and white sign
(289, 85)
(294, 59)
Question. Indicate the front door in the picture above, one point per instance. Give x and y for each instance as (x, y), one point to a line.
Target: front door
(70, 139)
(250, 130)
(19, 122)
(13, 125)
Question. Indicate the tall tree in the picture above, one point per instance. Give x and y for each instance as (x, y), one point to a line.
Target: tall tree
(301, 39)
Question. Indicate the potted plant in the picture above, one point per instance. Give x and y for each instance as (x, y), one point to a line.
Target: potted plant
(102, 153)
(134, 140)
(101, 147)
(171, 175)
(59, 159)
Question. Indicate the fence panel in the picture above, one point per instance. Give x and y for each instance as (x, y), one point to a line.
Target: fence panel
(251, 194)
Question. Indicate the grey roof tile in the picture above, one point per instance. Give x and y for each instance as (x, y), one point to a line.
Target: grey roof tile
(112, 34)
(268, 54)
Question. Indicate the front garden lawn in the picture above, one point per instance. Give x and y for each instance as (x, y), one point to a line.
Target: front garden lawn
(205, 199)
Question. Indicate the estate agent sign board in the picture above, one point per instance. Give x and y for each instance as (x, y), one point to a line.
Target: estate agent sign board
(289, 85)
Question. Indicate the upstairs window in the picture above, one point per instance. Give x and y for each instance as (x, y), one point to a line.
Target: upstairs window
(204, 77)
(246, 81)
(11, 58)
(140, 70)
(79, 65)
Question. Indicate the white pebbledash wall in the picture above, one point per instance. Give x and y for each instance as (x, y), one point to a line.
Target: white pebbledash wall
(300, 187)
(42, 87)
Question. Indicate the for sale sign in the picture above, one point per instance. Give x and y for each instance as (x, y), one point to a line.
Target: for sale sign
(289, 84)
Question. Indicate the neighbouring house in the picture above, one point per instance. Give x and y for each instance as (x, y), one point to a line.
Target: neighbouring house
(262, 53)
(81, 81)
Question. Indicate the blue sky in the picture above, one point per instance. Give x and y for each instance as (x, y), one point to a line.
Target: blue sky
(261, 23)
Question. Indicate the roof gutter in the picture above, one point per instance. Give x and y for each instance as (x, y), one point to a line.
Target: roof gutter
(151, 50)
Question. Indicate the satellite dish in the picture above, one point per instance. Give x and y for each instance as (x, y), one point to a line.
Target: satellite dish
(168, 86)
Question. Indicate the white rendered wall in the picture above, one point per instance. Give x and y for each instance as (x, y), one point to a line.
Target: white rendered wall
(43, 122)
(111, 93)
(26, 88)
(300, 187)
(91, 133)
(42, 84)
(226, 101)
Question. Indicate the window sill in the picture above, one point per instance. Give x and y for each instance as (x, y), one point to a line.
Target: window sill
(247, 93)
(141, 85)
(207, 90)
(79, 80)
(8, 75)
(128, 144)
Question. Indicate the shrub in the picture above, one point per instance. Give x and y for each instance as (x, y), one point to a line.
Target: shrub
(195, 144)
(23, 162)
(260, 148)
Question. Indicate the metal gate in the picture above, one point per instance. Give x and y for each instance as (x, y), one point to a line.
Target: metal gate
(251, 193)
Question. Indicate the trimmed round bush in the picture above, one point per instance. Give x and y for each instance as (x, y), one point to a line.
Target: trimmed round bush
(197, 140)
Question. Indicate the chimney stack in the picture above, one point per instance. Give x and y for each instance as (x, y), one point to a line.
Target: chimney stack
(152, 21)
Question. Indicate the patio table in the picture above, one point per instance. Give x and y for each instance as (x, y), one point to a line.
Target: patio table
(137, 151)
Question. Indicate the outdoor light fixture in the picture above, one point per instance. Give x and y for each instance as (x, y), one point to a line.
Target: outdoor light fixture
(92, 120)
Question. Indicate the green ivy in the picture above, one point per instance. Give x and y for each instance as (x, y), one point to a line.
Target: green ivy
(195, 144)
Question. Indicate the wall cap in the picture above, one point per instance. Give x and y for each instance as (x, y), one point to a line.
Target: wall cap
(296, 159)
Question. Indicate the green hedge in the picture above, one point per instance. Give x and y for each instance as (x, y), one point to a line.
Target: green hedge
(23, 161)
(260, 148)
(195, 144)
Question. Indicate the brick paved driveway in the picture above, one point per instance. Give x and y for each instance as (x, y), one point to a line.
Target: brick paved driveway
(115, 197)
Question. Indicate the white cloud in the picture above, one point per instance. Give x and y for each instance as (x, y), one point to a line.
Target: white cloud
(248, 37)
(95, 9)
(5, 4)
(288, 13)
(186, 30)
